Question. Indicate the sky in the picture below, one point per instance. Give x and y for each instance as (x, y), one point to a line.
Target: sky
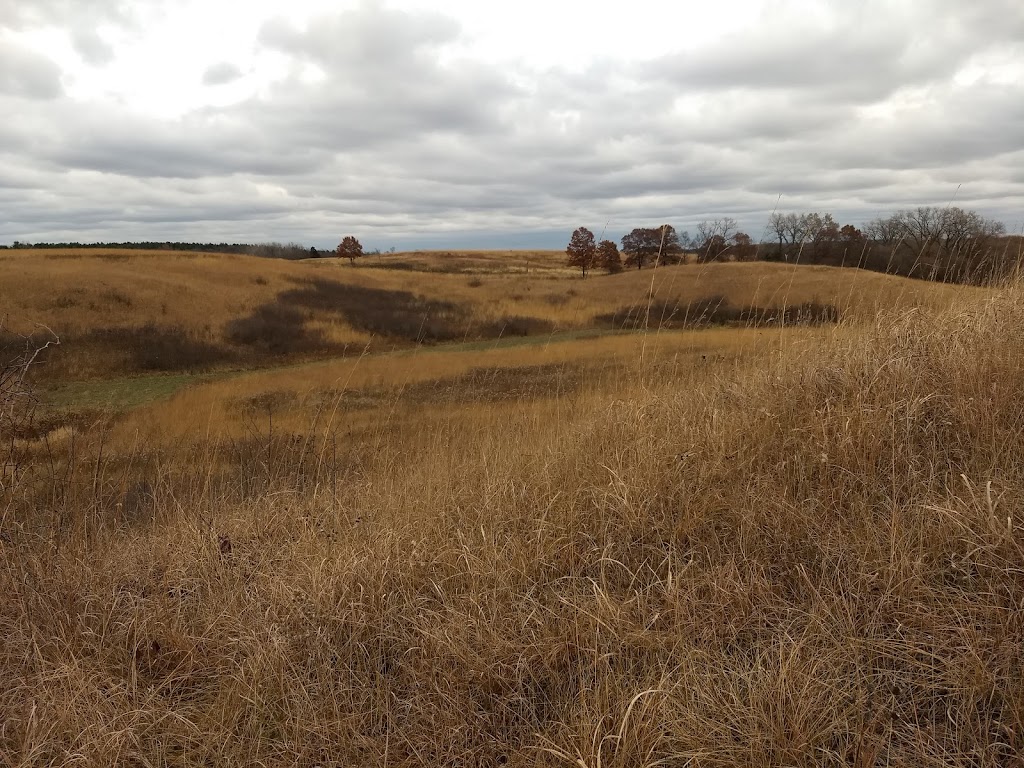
(461, 123)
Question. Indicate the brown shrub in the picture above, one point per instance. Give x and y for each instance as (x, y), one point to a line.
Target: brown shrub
(275, 329)
(153, 347)
(715, 310)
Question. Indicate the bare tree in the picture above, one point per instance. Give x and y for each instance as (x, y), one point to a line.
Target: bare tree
(777, 225)
(946, 243)
(713, 237)
(823, 234)
(795, 230)
(884, 231)
(17, 399)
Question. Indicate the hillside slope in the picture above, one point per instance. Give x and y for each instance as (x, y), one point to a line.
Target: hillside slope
(129, 312)
(811, 559)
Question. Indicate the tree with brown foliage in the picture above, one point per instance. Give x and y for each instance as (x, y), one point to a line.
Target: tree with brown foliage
(640, 245)
(608, 257)
(582, 250)
(645, 244)
(713, 249)
(350, 248)
(743, 247)
(850, 235)
(671, 249)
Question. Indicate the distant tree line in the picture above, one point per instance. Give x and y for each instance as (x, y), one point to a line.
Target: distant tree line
(271, 250)
(948, 244)
(349, 248)
(717, 240)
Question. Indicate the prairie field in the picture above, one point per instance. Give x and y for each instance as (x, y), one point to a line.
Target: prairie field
(139, 312)
(469, 509)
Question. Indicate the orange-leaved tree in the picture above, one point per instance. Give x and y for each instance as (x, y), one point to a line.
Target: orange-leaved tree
(582, 250)
(350, 248)
(608, 257)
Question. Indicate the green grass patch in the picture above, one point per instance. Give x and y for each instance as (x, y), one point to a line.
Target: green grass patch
(122, 394)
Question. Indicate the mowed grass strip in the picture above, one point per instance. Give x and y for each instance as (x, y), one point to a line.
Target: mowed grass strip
(118, 395)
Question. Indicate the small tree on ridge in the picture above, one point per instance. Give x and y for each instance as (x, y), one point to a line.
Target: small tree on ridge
(582, 251)
(350, 248)
(608, 257)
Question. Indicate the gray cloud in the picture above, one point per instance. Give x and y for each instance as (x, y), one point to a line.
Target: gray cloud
(17, 14)
(384, 81)
(221, 73)
(403, 142)
(28, 74)
(92, 48)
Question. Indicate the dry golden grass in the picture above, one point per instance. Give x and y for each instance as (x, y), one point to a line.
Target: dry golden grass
(77, 290)
(126, 312)
(810, 556)
(569, 302)
(360, 392)
(472, 262)
(87, 296)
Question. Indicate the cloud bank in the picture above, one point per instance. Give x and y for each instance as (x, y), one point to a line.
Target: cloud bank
(390, 123)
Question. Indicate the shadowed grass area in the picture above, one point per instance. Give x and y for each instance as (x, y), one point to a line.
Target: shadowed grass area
(715, 310)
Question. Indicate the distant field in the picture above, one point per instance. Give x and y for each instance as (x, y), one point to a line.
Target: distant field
(168, 344)
(127, 313)
(475, 262)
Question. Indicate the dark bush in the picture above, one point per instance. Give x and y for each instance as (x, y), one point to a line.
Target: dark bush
(715, 310)
(517, 325)
(152, 347)
(808, 313)
(671, 314)
(275, 329)
(375, 310)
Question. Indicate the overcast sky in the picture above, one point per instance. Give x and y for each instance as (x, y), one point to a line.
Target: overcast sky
(463, 123)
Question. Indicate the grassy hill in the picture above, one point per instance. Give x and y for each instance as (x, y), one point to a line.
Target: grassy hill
(759, 543)
(123, 312)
